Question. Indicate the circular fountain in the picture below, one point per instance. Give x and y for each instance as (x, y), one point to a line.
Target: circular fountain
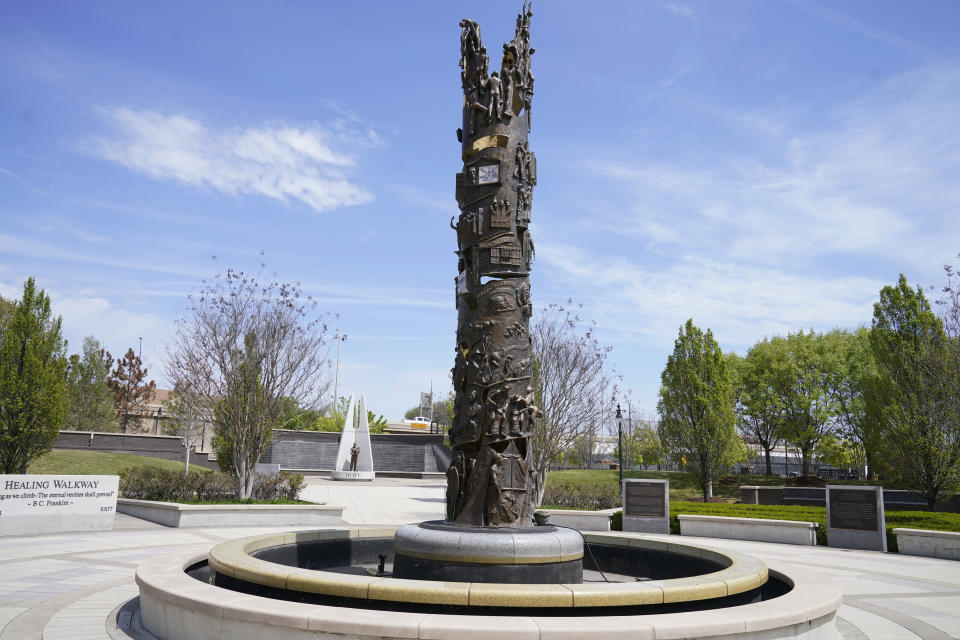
(336, 583)
(486, 569)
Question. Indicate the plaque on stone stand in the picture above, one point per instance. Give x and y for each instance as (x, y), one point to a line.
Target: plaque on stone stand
(855, 518)
(646, 506)
(354, 456)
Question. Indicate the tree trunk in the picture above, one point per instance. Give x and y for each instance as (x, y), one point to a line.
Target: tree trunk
(768, 460)
(541, 486)
(186, 462)
(707, 490)
(805, 460)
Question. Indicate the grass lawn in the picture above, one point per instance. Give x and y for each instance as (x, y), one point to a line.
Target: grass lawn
(99, 463)
(683, 487)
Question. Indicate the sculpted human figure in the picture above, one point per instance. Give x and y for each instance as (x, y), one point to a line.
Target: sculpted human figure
(354, 454)
(494, 89)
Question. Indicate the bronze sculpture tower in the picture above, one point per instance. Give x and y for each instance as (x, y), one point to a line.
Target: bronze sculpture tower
(488, 534)
(490, 482)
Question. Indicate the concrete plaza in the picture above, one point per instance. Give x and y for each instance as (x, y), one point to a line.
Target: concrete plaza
(71, 586)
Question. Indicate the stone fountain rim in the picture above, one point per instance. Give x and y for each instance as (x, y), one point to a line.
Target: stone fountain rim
(175, 606)
(743, 573)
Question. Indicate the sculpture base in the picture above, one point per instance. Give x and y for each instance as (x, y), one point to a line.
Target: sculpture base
(352, 475)
(450, 553)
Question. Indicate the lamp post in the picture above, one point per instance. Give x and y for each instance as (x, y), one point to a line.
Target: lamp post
(620, 443)
(156, 421)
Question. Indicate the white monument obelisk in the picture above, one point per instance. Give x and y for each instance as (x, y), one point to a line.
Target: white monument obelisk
(354, 455)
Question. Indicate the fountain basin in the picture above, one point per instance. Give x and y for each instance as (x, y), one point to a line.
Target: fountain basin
(323, 566)
(176, 606)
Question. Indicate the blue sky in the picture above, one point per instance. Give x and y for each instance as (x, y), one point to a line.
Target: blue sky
(759, 166)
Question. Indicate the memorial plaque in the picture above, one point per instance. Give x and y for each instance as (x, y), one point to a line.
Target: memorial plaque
(51, 503)
(643, 500)
(856, 510)
(646, 506)
(855, 518)
(488, 174)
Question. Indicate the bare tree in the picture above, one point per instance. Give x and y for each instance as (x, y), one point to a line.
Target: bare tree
(247, 347)
(185, 418)
(570, 385)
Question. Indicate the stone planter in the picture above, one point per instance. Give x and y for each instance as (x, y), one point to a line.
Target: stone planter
(173, 514)
(932, 544)
(785, 531)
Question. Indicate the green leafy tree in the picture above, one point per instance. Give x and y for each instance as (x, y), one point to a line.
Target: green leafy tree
(33, 367)
(632, 454)
(809, 369)
(131, 391)
(696, 407)
(333, 420)
(840, 452)
(649, 445)
(90, 402)
(921, 392)
(859, 403)
(759, 404)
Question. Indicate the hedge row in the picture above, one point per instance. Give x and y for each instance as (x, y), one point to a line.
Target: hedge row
(894, 519)
(152, 483)
(573, 495)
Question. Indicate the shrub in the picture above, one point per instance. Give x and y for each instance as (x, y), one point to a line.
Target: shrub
(570, 495)
(151, 483)
(282, 485)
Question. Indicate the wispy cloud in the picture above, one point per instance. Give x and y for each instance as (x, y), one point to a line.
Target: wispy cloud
(879, 181)
(740, 302)
(859, 26)
(802, 233)
(680, 9)
(309, 164)
(416, 196)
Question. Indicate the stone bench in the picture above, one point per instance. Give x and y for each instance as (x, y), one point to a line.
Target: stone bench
(580, 520)
(785, 531)
(931, 544)
(174, 514)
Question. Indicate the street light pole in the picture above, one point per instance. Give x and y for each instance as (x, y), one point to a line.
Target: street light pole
(156, 421)
(620, 443)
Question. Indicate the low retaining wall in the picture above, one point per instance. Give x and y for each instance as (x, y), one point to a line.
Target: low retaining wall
(761, 495)
(173, 514)
(931, 544)
(581, 520)
(166, 447)
(785, 531)
(893, 499)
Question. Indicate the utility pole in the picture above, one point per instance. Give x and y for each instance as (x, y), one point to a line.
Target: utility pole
(336, 376)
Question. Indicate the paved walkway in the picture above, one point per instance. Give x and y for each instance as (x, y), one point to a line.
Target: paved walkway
(71, 586)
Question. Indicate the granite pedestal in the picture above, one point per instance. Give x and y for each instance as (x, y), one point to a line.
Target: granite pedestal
(445, 552)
